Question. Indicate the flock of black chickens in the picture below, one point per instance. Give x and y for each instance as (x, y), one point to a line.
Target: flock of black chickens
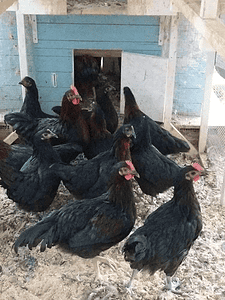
(103, 212)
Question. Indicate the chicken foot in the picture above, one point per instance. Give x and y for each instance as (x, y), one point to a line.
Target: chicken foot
(96, 261)
(129, 284)
(172, 285)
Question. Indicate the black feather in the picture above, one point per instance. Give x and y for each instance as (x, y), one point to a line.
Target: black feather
(87, 227)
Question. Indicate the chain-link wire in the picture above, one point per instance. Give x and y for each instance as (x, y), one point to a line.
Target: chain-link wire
(216, 142)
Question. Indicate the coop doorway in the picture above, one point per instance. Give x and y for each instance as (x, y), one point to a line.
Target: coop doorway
(109, 64)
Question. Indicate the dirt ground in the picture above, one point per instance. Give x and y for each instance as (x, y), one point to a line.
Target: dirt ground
(56, 275)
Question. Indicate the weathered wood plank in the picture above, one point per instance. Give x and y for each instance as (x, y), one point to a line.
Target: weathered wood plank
(98, 53)
(53, 64)
(11, 138)
(9, 78)
(63, 52)
(209, 9)
(22, 46)
(90, 19)
(140, 47)
(9, 61)
(64, 80)
(168, 107)
(186, 81)
(206, 103)
(93, 32)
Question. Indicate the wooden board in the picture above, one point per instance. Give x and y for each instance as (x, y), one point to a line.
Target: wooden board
(59, 37)
(146, 76)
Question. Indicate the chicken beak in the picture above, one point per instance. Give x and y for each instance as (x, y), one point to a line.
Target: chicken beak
(203, 172)
(54, 135)
(133, 132)
(135, 173)
(49, 135)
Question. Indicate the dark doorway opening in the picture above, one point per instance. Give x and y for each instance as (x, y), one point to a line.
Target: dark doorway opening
(108, 64)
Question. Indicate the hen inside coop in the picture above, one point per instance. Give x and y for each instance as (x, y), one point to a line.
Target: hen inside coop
(96, 71)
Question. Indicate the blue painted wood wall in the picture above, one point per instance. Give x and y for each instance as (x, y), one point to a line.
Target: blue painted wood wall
(10, 91)
(190, 71)
(59, 35)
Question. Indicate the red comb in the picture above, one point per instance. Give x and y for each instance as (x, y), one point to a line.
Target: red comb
(129, 163)
(198, 168)
(73, 88)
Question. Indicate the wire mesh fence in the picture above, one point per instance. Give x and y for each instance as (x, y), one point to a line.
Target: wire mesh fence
(216, 151)
(216, 141)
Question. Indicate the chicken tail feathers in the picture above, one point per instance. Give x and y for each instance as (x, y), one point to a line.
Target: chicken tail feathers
(24, 125)
(135, 250)
(40, 232)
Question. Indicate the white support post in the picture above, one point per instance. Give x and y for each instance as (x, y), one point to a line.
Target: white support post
(222, 197)
(206, 102)
(171, 72)
(21, 32)
(209, 9)
(33, 20)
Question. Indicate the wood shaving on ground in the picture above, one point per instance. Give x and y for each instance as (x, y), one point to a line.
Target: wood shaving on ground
(57, 275)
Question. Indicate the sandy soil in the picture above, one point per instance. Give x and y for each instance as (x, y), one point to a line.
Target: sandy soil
(56, 275)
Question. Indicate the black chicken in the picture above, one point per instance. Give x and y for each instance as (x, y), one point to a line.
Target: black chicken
(57, 109)
(160, 138)
(89, 178)
(157, 172)
(31, 106)
(102, 98)
(35, 185)
(15, 155)
(70, 127)
(88, 227)
(86, 73)
(19, 154)
(168, 233)
(100, 138)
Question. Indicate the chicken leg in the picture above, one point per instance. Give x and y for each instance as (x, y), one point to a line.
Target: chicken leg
(172, 285)
(99, 259)
(129, 284)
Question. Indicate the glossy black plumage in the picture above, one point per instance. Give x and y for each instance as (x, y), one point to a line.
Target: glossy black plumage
(100, 138)
(160, 138)
(17, 154)
(87, 227)
(70, 127)
(31, 106)
(102, 98)
(168, 233)
(86, 73)
(56, 109)
(35, 185)
(89, 178)
(157, 172)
